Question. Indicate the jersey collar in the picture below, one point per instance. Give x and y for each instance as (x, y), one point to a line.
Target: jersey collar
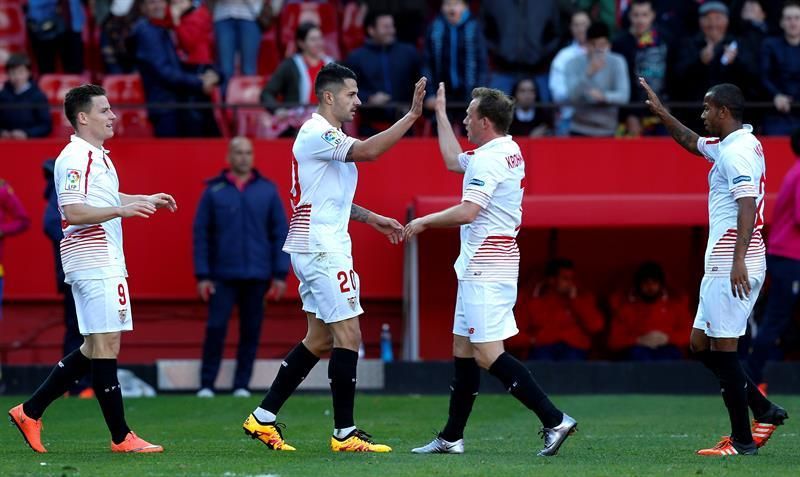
(100, 152)
(746, 129)
(496, 141)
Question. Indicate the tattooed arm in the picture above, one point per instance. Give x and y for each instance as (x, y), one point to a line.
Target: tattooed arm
(359, 214)
(385, 225)
(682, 135)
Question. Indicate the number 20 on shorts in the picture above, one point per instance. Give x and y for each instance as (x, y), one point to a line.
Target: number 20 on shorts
(344, 285)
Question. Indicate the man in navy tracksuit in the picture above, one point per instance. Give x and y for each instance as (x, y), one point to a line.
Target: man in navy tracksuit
(239, 230)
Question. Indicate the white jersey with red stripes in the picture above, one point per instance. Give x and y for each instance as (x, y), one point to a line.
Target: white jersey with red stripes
(323, 186)
(739, 171)
(85, 174)
(494, 178)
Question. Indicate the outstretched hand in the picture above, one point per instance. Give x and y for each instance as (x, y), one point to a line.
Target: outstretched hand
(441, 99)
(139, 208)
(162, 200)
(652, 99)
(419, 98)
(415, 227)
(389, 227)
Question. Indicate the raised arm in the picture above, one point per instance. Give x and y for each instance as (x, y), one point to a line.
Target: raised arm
(448, 144)
(370, 149)
(682, 135)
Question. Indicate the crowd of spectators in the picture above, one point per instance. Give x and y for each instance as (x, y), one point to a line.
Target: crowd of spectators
(582, 55)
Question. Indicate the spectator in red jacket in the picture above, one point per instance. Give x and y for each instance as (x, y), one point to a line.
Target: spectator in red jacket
(649, 324)
(195, 31)
(560, 322)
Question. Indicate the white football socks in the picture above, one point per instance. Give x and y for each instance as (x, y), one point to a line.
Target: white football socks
(264, 416)
(342, 433)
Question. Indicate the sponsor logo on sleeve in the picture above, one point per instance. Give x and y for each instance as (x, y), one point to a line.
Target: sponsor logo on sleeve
(477, 182)
(334, 137)
(73, 179)
(739, 179)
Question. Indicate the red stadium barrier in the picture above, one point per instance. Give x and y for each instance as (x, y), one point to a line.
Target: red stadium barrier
(159, 251)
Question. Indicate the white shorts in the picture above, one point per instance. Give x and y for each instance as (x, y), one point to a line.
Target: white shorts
(329, 287)
(102, 305)
(719, 313)
(485, 311)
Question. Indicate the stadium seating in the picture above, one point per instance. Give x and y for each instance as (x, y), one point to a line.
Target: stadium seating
(123, 91)
(55, 87)
(245, 90)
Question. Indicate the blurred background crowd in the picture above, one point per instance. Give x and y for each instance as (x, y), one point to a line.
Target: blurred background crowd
(204, 68)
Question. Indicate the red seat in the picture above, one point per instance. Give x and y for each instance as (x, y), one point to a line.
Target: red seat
(323, 14)
(12, 25)
(352, 28)
(125, 92)
(244, 90)
(55, 86)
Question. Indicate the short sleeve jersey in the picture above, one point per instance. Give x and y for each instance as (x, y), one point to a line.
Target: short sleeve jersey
(738, 171)
(85, 174)
(494, 179)
(323, 186)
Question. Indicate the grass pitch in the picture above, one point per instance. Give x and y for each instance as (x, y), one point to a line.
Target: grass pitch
(627, 435)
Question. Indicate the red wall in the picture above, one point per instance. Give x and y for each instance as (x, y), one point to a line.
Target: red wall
(158, 250)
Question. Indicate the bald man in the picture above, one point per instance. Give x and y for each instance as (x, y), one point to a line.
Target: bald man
(239, 230)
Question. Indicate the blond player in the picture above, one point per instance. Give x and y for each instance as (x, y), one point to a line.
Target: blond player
(324, 179)
(92, 209)
(490, 214)
(735, 261)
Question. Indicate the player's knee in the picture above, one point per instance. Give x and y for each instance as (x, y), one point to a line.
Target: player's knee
(318, 345)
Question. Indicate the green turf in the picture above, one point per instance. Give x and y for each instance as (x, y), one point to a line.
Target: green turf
(618, 436)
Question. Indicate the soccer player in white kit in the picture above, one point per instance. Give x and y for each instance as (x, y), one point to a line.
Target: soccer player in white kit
(490, 215)
(735, 261)
(92, 209)
(324, 179)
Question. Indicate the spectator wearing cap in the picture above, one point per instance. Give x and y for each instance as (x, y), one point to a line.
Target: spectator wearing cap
(780, 73)
(24, 111)
(711, 57)
(385, 68)
(649, 324)
(598, 83)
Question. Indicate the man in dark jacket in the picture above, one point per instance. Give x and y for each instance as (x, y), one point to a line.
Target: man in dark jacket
(523, 38)
(239, 230)
(385, 68)
(32, 118)
(165, 81)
